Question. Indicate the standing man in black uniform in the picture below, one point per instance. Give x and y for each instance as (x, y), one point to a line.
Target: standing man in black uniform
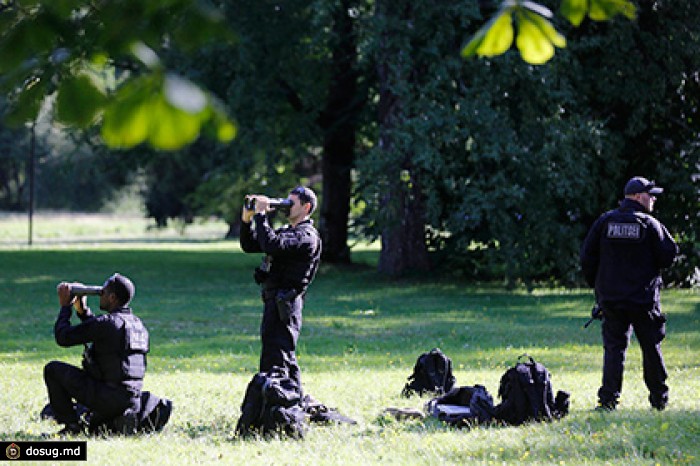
(622, 258)
(114, 360)
(292, 254)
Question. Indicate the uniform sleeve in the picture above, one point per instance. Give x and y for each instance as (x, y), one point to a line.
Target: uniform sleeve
(665, 249)
(249, 242)
(88, 330)
(590, 253)
(283, 243)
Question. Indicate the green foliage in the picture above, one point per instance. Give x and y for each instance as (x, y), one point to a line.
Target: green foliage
(597, 10)
(274, 79)
(165, 110)
(646, 89)
(537, 37)
(47, 45)
(27, 102)
(515, 162)
(78, 101)
(506, 163)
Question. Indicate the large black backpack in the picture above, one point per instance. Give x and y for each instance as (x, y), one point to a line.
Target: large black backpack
(463, 406)
(272, 406)
(526, 395)
(432, 373)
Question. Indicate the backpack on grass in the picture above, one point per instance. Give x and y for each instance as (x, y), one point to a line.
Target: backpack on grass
(463, 406)
(432, 373)
(526, 395)
(272, 406)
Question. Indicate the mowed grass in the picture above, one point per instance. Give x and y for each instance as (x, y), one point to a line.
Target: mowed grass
(362, 334)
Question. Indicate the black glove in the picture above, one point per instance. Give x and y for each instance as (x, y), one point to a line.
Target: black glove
(260, 275)
(596, 314)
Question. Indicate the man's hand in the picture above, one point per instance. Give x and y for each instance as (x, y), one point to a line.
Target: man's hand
(65, 298)
(247, 215)
(261, 206)
(81, 305)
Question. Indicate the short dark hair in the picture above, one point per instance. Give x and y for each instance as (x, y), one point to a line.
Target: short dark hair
(306, 196)
(122, 287)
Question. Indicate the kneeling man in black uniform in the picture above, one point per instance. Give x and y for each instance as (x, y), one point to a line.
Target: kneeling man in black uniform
(114, 361)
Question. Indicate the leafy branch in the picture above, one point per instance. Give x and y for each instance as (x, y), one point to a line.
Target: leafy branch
(536, 37)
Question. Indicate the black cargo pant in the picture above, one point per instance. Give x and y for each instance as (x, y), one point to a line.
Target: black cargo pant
(649, 326)
(66, 383)
(279, 333)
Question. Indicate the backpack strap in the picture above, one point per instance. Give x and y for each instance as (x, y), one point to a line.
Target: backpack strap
(532, 360)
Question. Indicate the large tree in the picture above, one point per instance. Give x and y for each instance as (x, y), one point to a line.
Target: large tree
(339, 121)
(398, 195)
(513, 161)
(292, 80)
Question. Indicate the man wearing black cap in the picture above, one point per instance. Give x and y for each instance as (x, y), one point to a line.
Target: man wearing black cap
(622, 258)
(114, 361)
(292, 254)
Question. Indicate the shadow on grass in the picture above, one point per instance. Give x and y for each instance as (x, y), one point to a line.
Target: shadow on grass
(202, 306)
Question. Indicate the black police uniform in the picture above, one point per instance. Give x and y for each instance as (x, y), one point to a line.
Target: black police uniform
(622, 257)
(293, 255)
(114, 365)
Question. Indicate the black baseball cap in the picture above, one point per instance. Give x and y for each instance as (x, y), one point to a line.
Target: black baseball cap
(640, 184)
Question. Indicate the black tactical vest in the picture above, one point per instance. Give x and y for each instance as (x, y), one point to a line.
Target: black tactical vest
(135, 347)
(128, 362)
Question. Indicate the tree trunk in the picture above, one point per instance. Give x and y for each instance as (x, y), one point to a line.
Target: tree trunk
(403, 241)
(339, 121)
(403, 235)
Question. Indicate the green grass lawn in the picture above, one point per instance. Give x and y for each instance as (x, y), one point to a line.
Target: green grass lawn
(362, 334)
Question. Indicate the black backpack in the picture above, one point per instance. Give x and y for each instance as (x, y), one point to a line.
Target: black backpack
(463, 406)
(526, 395)
(272, 406)
(432, 373)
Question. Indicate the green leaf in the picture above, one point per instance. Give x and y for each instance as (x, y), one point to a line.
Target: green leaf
(78, 101)
(499, 36)
(546, 27)
(537, 38)
(127, 118)
(493, 38)
(574, 10)
(469, 50)
(125, 126)
(172, 128)
(28, 104)
(26, 39)
(64, 8)
(226, 131)
(534, 46)
(168, 112)
(603, 10)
